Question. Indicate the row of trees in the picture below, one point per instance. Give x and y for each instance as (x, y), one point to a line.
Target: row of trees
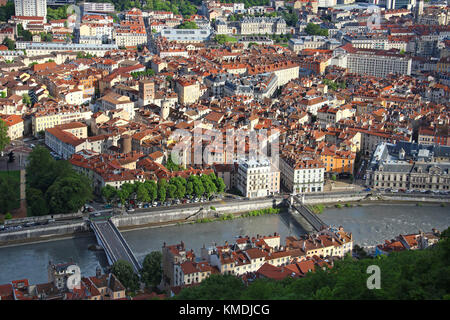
(175, 188)
(413, 274)
(54, 186)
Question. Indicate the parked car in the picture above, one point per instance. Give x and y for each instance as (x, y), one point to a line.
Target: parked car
(107, 206)
(51, 220)
(409, 191)
(2, 227)
(367, 189)
(130, 209)
(394, 191)
(146, 205)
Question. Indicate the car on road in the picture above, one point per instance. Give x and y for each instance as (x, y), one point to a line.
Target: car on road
(130, 209)
(90, 209)
(32, 146)
(367, 189)
(107, 206)
(51, 220)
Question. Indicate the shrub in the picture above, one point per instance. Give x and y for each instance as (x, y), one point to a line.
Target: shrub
(348, 205)
(213, 208)
(419, 204)
(8, 216)
(339, 206)
(443, 204)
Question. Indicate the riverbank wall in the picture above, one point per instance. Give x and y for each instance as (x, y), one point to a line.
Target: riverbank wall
(43, 233)
(335, 199)
(180, 215)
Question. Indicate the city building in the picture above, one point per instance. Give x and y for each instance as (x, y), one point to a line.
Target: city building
(301, 173)
(410, 166)
(257, 178)
(31, 8)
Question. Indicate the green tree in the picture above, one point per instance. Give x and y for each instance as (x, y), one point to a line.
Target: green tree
(187, 25)
(151, 269)
(4, 137)
(189, 188)
(315, 29)
(9, 43)
(123, 270)
(68, 194)
(9, 196)
(152, 189)
(7, 11)
(171, 190)
(142, 193)
(109, 192)
(162, 193)
(215, 287)
(37, 206)
(8, 216)
(26, 99)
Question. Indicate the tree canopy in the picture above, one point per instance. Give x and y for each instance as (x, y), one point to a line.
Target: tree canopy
(123, 270)
(54, 183)
(151, 269)
(315, 29)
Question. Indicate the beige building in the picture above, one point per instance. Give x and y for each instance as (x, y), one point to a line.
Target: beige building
(301, 173)
(188, 91)
(42, 120)
(257, 178)
(114, 101)
(14, 124)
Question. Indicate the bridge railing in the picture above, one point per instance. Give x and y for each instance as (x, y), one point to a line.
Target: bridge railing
(104, 243)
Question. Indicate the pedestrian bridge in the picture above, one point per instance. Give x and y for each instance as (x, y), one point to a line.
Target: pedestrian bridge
(297, 207)
(112, 241)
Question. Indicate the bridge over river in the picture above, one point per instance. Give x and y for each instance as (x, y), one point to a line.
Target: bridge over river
(112, 241)
(301, 213)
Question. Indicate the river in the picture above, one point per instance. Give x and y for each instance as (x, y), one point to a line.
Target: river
(369, 225)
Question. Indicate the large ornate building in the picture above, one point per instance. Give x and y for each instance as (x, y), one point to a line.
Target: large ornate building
(410, 166)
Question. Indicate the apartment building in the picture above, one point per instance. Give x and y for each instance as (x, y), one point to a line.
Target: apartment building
(378, 63)
(114, 101)
(188, 90)
(44, 119)
(14, 124)
(31, 8)
(301, 173)
(338, 161)
(66, 139)
(45, 48)
(173, 255)
(328, 116)
(257, 178)
(189, 272)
